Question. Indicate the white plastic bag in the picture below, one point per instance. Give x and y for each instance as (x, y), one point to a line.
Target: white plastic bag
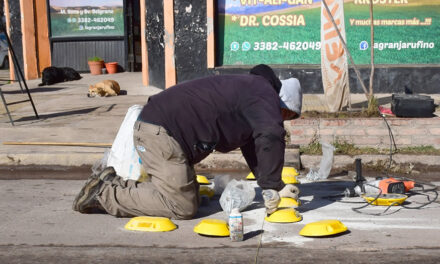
(325, 165)
(101, 164)
(123, 155)
(237, 194)
(220, 182)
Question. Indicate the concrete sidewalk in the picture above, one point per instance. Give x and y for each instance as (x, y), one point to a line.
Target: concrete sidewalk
(68, 115)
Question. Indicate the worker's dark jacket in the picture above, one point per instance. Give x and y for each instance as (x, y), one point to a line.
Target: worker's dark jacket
(223, 113)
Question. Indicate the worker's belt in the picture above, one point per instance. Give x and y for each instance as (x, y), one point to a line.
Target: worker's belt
(153, 128)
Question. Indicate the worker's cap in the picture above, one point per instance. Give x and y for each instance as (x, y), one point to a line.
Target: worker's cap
(267, 73)
(291, 95)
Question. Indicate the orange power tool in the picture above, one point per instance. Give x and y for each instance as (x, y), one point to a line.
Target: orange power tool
(388, 185)
(391, 185)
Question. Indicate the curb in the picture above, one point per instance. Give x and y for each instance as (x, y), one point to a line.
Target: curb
(216, 161)
(50, 159)
(233, 160)
(340, 161)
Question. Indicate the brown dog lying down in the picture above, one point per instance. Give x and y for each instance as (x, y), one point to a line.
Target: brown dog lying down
(104, 88)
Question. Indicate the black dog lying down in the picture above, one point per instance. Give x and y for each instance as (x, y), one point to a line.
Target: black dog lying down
(53, 75)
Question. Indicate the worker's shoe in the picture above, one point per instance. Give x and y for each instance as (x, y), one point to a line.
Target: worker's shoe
(87, 193)
(107, 175)
(86, 201)
(91, 206)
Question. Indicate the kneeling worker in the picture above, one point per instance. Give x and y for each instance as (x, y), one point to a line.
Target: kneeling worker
(182, 125)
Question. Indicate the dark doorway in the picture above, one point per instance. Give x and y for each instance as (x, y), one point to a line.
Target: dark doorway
(134, 35)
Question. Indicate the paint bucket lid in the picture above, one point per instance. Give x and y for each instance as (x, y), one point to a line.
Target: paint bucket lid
(289, 179)
(206, 190)
(150, 224)
(250, 176)
(323, 228)
(212, 227)
(203, 180)
(386, 199)
(289, 202)
(288, 175)
(285, 215)
(289, 171)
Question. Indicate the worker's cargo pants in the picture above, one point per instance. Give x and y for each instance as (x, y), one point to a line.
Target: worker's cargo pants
(172, 190)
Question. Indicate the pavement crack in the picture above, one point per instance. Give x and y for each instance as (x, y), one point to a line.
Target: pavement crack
(12, 159)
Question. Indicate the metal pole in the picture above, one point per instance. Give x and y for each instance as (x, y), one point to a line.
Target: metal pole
(6, 107)
(371, 48)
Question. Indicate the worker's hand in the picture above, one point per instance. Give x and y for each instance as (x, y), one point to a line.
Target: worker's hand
(271, 200)
(289, 190)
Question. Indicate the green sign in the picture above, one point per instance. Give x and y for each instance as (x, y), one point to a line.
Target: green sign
(288, 31)
(82, 18)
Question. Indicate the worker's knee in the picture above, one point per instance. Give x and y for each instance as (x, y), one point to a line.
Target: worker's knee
(187, 213)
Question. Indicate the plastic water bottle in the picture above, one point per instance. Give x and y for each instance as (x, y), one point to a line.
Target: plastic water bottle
(236, 225)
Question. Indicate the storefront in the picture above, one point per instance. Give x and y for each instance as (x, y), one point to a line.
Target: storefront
(67, 33)
(188, 39)
(231, 36)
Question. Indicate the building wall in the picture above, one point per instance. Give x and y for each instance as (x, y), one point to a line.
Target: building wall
(190, 54)
(190, 28)
(34, 52)
(74, 54)
(15, 33)
(190, 39)
(155, 43)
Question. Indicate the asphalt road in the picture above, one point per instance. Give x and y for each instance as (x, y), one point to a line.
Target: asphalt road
(37, 225)
(282, 255)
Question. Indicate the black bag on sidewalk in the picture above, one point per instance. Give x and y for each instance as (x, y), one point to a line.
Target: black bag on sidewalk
(412, 105)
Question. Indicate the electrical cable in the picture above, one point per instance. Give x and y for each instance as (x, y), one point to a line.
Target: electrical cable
(424, 191)
(425, 204)
(419, 183)
(414, 192)
(365, 204)
(392, 143)
(356, 209)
